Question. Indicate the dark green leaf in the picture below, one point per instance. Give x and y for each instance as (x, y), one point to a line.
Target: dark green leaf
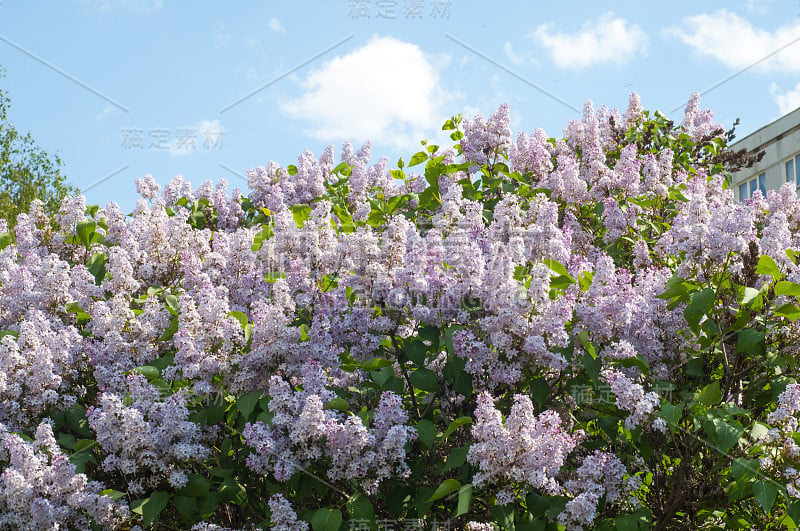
(765, 492)
(416, 351)
(326, 520)
(360, 508)
(539, 391)
(424, 379)
(232, 491)
(426, 432)
(751, 341)
(247, 403)
(457, 457)
(150, 508)
(744, 469)
(196, 486)
(187, 506)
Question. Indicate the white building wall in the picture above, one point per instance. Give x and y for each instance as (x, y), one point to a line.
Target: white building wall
(780, 142)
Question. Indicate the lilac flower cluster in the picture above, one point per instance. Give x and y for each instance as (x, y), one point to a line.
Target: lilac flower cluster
(525, 450)
(302, 432)
(632, 398)
(143, 432)
(40, 489)
(601, 474)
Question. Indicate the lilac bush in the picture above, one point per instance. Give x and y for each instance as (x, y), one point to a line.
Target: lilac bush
(509, 332)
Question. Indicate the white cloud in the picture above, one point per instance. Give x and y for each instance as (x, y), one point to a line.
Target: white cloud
(787, 101)
(387, 91)
(205, 135)
(736, 43)
(275, 25)
(608, 40)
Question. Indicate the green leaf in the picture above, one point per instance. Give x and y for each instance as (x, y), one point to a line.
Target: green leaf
(85, 230)
(326, 520)
(539, 391)
(704, 300)
(558, 267)
(300, 214)
(744, 469)
(464, 500)
(751, 341)
(711, 394)
(172, 303)
(424, 379)
(583, 337)
(97, 267)
(765, 492)
(232, 491)
(339, 404)
(5, 240)
(457, 457)
(785, 287)
(416, 351)
(247, 403)
(84, 444)
(418, 158)
(187, 506)
(150, 507)
(757, 431)
(767, 266)
(460, 421)
(207, 505)
(445, 487)
(148, 371)
(748, 295)
(360, 508)
(794, 511)
(788, 310)
(426, 431)
(113, 494)
(339, 167)
(197, 486)
(727, 434)
(504, 516)
(672, 414)
(628, 522)
(171, 329)
(239, 316)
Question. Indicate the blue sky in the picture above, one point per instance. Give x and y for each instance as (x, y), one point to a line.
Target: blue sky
(124, 88)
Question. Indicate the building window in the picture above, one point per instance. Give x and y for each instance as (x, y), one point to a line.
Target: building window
(747, 188)
(793, 170)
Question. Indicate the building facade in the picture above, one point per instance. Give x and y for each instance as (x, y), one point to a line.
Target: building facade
(780, 142)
